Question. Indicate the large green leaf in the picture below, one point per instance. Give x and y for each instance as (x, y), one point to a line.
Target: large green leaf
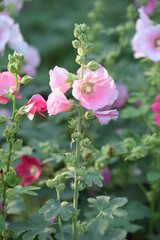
(108, 208)
(37, 226)
(129, 223)
(92, 177)
(53, 208)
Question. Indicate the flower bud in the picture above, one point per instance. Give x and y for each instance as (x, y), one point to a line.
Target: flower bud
(3, 119)
(27, 80)
(88, 47)
(89, 115)
(83, 37)
(51, 183)
(18, 144)
(77, 31)
(92, 65)
(80, 59)
(76, 43)
(61, 187)
(11, 177)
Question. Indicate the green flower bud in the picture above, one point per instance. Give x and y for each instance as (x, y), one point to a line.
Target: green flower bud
(84, 27)
(80, 59)
(27, 80)
(60, 178)
(80, 51)
(18, 144)
(88, 47)
(92, 65)
(71, 78)
(3, 119)
(89, 115)
(61, 187)
(77, 31)
(83, 37)
(11, 177)
(51, 183)
(76, 43)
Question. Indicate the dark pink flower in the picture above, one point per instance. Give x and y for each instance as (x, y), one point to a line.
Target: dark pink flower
(29, 170)
(156, 109)
(138, 103)
(35, 104)
(8, 87)
(105, 173)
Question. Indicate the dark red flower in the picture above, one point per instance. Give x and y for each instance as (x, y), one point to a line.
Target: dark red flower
(29, 170)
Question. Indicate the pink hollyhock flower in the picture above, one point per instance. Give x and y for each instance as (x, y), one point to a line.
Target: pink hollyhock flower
(6, 24)
(141, 25)
(32, 60)
(105, 116)
(123, 96)
(35, 104)
(156, 109)
(95, 90)
(57, 102)
(29, 170)
(150, 43)
(58, 76)
(8, 86)
(105, 173)
(150, 7)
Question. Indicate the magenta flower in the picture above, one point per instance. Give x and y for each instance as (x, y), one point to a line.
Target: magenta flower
(8, 87)
(156, 109)
(29, 170)
(123, 96)
(150, 7)
(105, 173)
(95, 90)
(35, 104)
(105, 116)
(57, 102)
(58, 76)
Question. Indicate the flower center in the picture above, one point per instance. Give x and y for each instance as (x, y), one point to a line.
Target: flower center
(33, 170)
(158, 43)
(87, 88)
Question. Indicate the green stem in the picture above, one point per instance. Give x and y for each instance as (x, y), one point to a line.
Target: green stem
(153, 210)
(10, 154)
(59, 218)
(75, 199)
(93, 220)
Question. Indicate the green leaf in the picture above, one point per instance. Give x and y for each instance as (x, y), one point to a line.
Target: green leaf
(108, 208)
(26, 190)
(92, 177)
(128, 222)
(2, 224)
(53, 208)
(133, 112)
(116, 234)
(36, 227)
(16, 205)
(153, 175)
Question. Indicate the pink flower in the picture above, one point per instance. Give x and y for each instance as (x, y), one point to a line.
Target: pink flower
(156, 109)
(122, 96)
(32, 60)
(105, 173)
(150, 43)
(29, 170)
(138, 103)
(6, 24)
(58, 76)
(95, 90)
(150, 7)
(105, 116)
(57, 102)
(14, 4)
(141, 25)
(35, 104)
(8, 86)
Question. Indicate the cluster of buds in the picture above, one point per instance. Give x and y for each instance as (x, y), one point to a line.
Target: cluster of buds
(15, 62)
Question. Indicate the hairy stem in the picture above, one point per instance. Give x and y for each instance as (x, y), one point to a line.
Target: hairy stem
(9, 155)
(59, 218)
(75, 199)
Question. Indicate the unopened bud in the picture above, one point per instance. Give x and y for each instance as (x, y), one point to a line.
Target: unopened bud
(92, 65)
(76, 43)
(3, 119)
(11, 177)
(27, 80)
